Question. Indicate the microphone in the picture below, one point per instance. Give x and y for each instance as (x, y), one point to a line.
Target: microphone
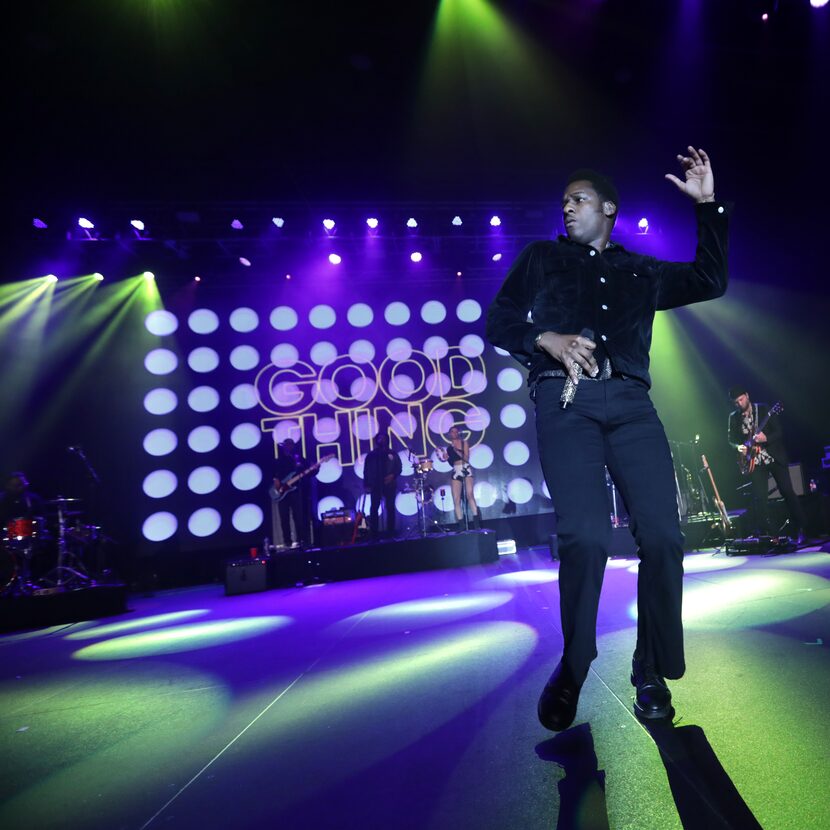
(569, 390)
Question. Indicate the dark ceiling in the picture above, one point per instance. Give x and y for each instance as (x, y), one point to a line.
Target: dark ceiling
(248, 100)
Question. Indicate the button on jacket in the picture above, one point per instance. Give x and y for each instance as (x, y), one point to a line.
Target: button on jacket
(564, 286)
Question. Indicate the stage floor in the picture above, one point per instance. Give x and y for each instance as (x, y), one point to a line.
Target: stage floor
(408, 701)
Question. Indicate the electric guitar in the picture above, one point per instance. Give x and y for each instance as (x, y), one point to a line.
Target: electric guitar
(748, 460)
(290, 484)
(725, 521)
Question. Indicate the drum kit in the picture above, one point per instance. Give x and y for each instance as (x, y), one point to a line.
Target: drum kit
(40, 556)
(423, 492)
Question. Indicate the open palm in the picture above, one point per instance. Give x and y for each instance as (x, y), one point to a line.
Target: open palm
(699, 182)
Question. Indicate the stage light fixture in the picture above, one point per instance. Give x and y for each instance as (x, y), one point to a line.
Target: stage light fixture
(149, 275)
(85, 224)
(98, 276)
(496, 257)
(39, 223)
(416, 256)
(458, 273)
(237, 225)
(50, 278)
(137, 224)
(245, 261)
(411, 222)
(197, 278)
(818, 4)
(335, 259)
(642, 225)
(329, 224)
(495, 222)
(278, 221)
(456, 220)
(372, 222)
(288, 276)
(764, 17)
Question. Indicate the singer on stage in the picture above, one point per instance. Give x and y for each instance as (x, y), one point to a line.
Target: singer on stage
(577, 312)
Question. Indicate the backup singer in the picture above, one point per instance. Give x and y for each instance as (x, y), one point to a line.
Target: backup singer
(585, 281)
(745, 422)
(457, 453)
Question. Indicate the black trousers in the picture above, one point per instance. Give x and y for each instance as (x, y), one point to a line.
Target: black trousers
(612, 424)
(386, 493)
(760, 497)
(294, 505)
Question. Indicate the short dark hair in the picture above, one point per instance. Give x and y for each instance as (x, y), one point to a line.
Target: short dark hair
(736, 391)
(605, 188)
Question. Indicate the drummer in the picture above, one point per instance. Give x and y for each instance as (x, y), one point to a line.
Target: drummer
(19, 502)
(457, 453)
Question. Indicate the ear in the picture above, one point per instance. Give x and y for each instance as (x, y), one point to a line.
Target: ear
(609, 208)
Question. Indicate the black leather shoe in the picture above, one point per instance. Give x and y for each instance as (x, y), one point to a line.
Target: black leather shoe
(653, 699)
(557, 704)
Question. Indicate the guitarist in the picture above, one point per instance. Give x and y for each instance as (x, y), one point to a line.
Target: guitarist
(757, 435)
(380, 477)
(294, 505)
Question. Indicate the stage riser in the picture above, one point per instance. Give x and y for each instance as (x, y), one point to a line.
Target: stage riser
(58, 609)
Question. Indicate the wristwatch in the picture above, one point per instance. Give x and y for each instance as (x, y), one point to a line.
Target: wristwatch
(537, 339)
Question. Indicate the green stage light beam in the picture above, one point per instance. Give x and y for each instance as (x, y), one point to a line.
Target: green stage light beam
(684, 384)
(482, 73)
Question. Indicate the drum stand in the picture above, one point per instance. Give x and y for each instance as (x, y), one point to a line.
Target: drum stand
(69, 573)
(20, 583)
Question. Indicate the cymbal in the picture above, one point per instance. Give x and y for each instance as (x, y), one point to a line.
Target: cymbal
(61, 500)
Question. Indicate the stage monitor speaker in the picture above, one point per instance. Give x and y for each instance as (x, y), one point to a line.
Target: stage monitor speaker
(796, 478)
(246, 576)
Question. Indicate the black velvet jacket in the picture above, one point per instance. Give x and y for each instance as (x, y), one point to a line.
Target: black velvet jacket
(564, 286)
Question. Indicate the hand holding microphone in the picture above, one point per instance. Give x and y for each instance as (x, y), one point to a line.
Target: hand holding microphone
(575, 353)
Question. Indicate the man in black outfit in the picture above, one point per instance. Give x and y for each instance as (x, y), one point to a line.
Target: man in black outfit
(294, 504)
(380, 477)
(750, 422)
(584, 282)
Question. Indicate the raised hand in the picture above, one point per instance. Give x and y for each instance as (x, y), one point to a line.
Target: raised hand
(699, 183)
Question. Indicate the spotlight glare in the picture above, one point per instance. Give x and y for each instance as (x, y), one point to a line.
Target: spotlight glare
(85, 223)
(764, 16)
(496, 257)
(288, 276)
(137, 224)
(416, 256)
(278, 221)
(51, 278)
(237, 225)
(458, 273)
(245, 261)
(335, 259)
(456, 220)
(328, 224)
(39, 223)
(98, 276)
(643, 225)
(372, 222)
(197, 278)
(149, 275)
(818, 4)
(411, 223)
(495, 222)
